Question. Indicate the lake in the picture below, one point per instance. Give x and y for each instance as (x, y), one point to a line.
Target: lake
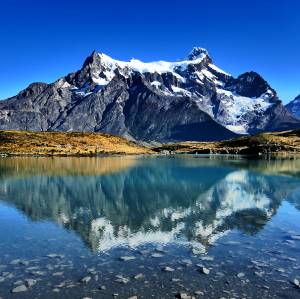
(151, 227)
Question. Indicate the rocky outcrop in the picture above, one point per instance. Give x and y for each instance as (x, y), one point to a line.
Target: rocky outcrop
(294, 107)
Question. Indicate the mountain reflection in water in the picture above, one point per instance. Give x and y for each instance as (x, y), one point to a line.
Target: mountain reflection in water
(114, 201)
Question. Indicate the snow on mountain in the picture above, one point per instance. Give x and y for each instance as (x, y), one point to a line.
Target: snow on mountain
(195, 99)
(294, 107)
(238, 109)
(134, 65)
(233, 112)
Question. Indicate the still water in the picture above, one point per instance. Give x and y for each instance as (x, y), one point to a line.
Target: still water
(150, 227)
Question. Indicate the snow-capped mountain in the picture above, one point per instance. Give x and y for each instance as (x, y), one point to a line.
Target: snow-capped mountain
(190, 99)
(294, 107)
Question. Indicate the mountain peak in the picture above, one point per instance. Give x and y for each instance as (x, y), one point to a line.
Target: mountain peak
(250, 84)
(196, 53)
(92, 59)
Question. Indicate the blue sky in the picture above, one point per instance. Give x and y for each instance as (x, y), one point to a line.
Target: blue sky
(43, 40)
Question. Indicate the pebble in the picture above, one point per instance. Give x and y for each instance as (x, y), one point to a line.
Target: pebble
(30, 282)
(55, 255)
(127, 258)
(204, 270)
(18, 282)
(20, 288)
(156, 255)
(121, 279)
(207, 258)
(296, 282)
(19, 262)
(259, 274)
(85, 279)
(38, 273)
(133, 297)
(241, 275)
(139, 276)
(183, 296)
(198, 251)
(103, 288)
(168, 269)
(160, 250)
(61, 285)
(92, 271)
(15, 262)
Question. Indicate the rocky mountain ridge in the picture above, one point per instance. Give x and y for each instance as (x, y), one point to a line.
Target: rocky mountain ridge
(190, 99)
(294, 107)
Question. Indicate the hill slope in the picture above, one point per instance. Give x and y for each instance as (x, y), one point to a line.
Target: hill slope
(70, 144)
(287, 142)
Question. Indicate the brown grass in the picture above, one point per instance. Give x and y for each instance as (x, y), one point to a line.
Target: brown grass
(287, 142)
(94, 144)
(65, 144)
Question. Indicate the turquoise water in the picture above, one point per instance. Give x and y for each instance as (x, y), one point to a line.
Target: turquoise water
(65, 219)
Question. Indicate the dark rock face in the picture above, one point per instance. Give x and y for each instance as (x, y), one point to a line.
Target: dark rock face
(249, 84)
(294, 107)
(162, 101)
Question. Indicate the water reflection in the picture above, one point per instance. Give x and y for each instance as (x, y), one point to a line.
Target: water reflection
(117, 201)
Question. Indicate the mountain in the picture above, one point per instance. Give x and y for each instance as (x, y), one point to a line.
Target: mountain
(191, 99)
(294, 107)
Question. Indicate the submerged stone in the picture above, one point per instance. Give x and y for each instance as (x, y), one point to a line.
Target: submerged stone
(157, 255)
(30, 282)
(85, 279)
(127, 258)
(121, 279)
(139, 276)
(204, 270)
(168, 269)
(20, 288)
(296, 282)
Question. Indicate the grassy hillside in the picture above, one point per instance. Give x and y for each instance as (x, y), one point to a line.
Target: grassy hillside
(287, 142)
(70, 144)
(92, 144)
